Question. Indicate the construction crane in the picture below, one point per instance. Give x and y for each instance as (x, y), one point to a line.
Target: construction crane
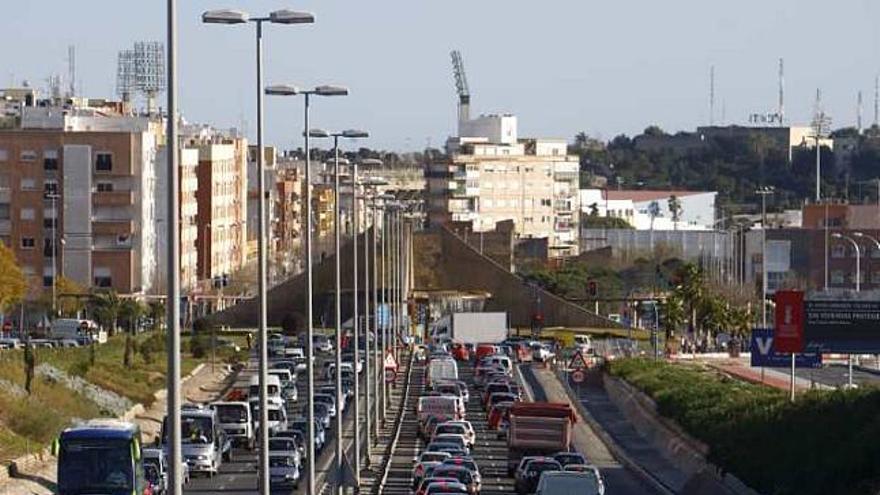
(461, 86)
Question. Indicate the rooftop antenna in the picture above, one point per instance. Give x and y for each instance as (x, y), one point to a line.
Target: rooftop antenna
(859, 112)
(71, 71)
(876, 100)
(781, 109)
(461, 87)
(712, 95)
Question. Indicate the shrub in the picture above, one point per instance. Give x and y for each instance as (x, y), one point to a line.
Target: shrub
(826, 442)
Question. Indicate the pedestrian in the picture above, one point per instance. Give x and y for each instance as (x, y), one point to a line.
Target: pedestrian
(249, 340)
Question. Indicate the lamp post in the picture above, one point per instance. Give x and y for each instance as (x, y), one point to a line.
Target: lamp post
(764, 191)
(838, 235)
(172, 316)
(232, 17)
(876, 242)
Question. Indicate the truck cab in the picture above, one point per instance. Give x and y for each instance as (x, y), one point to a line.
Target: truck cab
(235, 419)
(204, 444)
(101, 456)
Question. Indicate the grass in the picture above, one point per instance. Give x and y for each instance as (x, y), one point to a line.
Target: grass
(28, 423)
(824, 443)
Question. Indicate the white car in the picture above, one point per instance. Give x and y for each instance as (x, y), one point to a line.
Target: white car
(542, 352)
(459, 427)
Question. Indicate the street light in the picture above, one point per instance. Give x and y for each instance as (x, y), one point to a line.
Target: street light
(337, 220)
(232, 17)
(838, 235)
(764, 191)
(326, 90)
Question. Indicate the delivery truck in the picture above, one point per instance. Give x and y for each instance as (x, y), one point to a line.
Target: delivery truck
(470, 328)
(538, 428)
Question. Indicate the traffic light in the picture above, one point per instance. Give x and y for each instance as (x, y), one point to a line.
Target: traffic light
(592, 288)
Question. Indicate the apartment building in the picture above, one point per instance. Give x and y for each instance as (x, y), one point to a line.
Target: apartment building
(492, 176)
(221, 236)
(287, 217)
(188, 162)
(77, 186)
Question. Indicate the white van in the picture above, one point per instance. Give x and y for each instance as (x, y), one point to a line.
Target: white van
(284, 375)
(82, 331)
(273, 384)
(445, 407)
(441, 369)
(235, 419)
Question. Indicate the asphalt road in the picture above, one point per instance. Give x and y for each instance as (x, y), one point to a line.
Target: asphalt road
(240, 476)
(836, 375)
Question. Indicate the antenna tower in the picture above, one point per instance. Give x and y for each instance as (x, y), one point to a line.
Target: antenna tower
(71, 71)
(141, 70)
(712, 95)
(781, 92)
(461, 87)
(859, 112)
(125, 75)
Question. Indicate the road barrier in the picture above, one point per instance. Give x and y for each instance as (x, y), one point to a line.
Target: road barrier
(389, 453)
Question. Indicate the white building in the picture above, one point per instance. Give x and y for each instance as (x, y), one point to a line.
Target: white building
(697, 208)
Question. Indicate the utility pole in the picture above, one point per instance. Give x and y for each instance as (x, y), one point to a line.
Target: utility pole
(764, 191)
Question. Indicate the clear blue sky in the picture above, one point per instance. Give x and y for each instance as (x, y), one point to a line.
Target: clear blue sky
(561, 65)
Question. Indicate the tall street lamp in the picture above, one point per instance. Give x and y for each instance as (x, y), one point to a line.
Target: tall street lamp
(232, 17)
(326, 90)
(172, 316)
(838, 235)
(876, 242)
(337, 228)
(764, 191)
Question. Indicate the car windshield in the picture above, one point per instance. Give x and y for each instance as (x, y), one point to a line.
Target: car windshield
(541, 466)
(456, 429)
(95, 466)
(433, 457)
(281, 461)
(282, 444)
(274, 414)
(569, 459)
(151, 472)
(196, 429)
(574, 484)
(462, 475)
(229, 413)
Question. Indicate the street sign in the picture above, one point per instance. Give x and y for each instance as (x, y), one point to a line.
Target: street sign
(765, 355)
(390, 362)
(578, 362)
(578, 376)
(849, 327)
(789, 336)
(390, 375)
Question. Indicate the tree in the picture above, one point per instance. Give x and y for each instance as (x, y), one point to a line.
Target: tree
(30, 363)
(130, 310)
(691, 289)
(104, 307)
(71, 297)
(13, 284)
(673, 315)
(653, 211)
(674, 210)
(654, 131)
(156, 311)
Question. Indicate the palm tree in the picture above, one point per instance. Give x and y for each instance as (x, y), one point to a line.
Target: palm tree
(673, 315)
(105, 307)
(692, 290)
(674, 205)
(130, 311)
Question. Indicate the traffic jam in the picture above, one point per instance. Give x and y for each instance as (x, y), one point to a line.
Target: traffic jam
(479, 432)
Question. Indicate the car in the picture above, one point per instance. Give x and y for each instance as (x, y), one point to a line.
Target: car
(494, 387)
(460, 352)
(289, 392)
(453, 438)
(461, 473)
(566, 458)
(450, 448)
(329, 400)
(300, 424)
(331, 391)
(283, 470)
(461, 427)
(322, 343)
(498, 415)
(322, 414)
(426, 427)
(462, 388)
(527, 476)
(500, 397)
(568, 483)
(448, 388)
(286, 444)
(590, 469)
(468, 463)
(446, 487)
(542, 352)
(425, 463)
(423, 486)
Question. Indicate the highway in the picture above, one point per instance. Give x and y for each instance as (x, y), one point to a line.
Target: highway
(239, 477)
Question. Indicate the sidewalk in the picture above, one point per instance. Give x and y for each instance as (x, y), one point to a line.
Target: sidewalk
(772, 377)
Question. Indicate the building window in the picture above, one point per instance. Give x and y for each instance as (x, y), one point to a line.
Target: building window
(838, 251)
(50, 160)
(875, 278)
(28, 184)
(3, 155)
(123, 240)
(28, 155)
(837, 277)
(27, 214)
(105, 187)
(4, 211)
(50, 187)
(102, 277)
(545, 202)
(103, 162)
(28, 243)
(48, 248)
(50, 223)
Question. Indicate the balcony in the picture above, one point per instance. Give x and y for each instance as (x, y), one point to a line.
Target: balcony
(112, 227)
(113, 198)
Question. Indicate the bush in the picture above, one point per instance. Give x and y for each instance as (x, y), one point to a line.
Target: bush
(200, 346)
(826, 442)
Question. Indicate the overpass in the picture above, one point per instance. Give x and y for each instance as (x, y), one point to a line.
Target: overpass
(442, 261)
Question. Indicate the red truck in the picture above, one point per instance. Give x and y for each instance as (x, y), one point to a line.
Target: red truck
(538, 428)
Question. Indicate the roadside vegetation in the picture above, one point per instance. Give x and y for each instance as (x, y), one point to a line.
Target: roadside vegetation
(29, 421)
(824, 443)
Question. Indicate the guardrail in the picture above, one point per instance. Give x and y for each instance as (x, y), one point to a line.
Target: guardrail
(389, 453)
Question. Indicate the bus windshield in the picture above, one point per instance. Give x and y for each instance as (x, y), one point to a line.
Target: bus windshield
(95, 466)
(232, 413)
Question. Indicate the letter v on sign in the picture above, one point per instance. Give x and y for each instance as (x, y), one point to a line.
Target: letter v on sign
(764, 345)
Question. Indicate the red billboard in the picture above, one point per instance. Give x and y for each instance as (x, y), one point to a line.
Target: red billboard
(789, 330)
